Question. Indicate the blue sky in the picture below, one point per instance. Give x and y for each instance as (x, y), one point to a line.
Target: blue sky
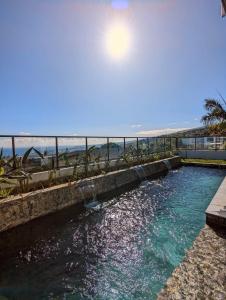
(56, 77)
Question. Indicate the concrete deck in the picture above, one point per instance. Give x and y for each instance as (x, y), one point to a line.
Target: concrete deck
(202, 274)
(216, 211)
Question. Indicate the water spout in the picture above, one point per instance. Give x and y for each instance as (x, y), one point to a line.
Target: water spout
(93, 203)
(167, 163)
(140, 172)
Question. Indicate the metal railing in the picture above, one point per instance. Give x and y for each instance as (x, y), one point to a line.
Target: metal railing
(209, 143)
(63, 151)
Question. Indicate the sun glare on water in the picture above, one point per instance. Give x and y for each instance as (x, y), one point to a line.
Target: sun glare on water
(118, 41)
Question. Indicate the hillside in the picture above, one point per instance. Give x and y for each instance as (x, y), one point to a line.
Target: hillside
(194, 132)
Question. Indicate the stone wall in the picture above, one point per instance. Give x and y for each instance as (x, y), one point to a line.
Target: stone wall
(20, 209)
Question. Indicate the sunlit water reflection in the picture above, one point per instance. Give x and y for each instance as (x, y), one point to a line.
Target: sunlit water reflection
(124, 249)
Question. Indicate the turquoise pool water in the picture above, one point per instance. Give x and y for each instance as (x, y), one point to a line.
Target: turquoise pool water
(125, 249)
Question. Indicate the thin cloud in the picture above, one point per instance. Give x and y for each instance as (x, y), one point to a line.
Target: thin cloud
(136, 125)
(172, 123)
(24, 133)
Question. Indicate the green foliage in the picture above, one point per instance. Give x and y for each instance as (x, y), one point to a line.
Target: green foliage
(97, 161)
(215, 118)
(51, 177)
(15, 169)
(65, 158)
(27, 153)
(156, 156)
(88, 159)
(76, 164)
(127, 157)
(5, 192)
(218, 129)
(106, 167)
(207, 161)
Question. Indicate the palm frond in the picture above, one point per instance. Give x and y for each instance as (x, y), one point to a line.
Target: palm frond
(27, 153)
(211, 104)
(91, 149)
(38, 152)
(222, 98)
(209, 118)
(216, 112)
(219, 114)
(2, 171)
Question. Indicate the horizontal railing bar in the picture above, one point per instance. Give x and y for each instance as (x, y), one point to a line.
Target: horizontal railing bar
(103, 137)
(77, 136)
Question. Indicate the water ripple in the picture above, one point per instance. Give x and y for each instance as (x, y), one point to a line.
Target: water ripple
(125, 249)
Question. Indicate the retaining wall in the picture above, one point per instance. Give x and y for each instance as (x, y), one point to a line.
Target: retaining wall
(20, 209)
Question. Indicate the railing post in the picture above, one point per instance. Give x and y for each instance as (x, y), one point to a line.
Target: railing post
(148, 146)
(108, 149)
(57, 153)
(195, 143)
(176, 143)
(137, 148)
(14, 152)
(86, 158)
(124, 145)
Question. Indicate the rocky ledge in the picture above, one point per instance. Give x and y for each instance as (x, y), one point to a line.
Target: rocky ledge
(202, 274)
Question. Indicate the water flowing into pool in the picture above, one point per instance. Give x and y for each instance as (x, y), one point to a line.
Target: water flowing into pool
(124, 249)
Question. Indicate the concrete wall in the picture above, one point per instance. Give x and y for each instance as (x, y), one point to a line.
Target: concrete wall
(203, 154)
(20, 209)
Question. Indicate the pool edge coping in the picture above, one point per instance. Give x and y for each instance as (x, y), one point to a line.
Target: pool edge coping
(216, 211)
(204, 164)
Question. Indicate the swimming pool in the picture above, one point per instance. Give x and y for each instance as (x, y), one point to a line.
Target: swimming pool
(124, 249)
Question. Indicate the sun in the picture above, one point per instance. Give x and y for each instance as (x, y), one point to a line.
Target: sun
(118, 41)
